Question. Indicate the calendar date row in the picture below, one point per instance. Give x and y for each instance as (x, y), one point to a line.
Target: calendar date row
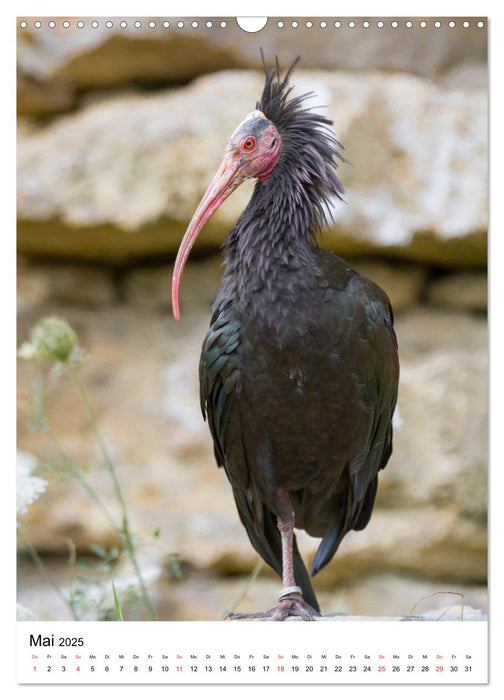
(284, 668)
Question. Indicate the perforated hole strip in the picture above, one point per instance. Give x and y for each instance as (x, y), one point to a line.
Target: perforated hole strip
(277, 23)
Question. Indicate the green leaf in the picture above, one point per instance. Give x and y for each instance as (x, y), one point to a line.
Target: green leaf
(83, 563)
(99, 551)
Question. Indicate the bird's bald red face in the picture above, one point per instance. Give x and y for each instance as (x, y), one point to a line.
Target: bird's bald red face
(254, 148)
(252, 152)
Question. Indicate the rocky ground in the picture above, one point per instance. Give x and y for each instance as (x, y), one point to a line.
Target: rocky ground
(111, 164)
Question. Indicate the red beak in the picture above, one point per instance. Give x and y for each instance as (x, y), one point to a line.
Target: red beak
(224, 182)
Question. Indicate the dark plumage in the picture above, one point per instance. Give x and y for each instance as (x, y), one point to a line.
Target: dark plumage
(299, 368)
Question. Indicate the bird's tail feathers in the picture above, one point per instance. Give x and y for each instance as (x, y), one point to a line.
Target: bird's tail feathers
(330, 543)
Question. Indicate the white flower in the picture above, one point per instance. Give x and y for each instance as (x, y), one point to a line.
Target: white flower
(24, 614)
(397, 421)
(131, 583)
(97, 597)
(29, 487)
(26, 351)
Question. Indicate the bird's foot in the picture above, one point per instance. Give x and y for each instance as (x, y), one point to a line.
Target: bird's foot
(289, 605)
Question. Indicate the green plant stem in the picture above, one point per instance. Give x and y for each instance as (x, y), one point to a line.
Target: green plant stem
(43, 568)
(94, 424)
(77, 474)
(245, 589)
(127, 537)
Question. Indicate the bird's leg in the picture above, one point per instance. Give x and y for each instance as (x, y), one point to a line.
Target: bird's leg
(290, 599)
(285, 523)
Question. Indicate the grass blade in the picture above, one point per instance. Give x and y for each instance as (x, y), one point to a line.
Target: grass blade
(117, 604)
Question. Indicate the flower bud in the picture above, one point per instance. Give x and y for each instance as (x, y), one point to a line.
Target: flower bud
(53, 339)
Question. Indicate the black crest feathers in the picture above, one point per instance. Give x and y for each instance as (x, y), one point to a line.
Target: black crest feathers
(274, 101)
(311, 151)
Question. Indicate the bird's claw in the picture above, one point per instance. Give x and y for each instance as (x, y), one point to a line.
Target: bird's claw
(291, 605)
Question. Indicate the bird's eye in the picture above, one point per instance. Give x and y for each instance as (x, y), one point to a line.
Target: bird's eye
(249, 143)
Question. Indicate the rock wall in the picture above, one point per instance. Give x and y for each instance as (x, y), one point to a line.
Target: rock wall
(121, 178)
(117, 175)
(119, 134)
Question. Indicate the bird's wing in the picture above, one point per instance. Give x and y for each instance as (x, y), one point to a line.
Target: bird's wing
(377, 372)
(379, 377)
(220, 384)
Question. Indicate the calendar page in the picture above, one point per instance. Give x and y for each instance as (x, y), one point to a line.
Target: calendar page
(252, 350)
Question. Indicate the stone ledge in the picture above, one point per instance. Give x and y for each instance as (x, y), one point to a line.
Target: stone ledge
(455, 614)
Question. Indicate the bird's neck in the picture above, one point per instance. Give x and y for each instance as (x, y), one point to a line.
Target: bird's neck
(271, 246)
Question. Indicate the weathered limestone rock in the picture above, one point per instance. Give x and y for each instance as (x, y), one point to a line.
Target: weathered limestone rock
(39, 98)
(460, 290)
(84, 285)
(98, 57)
(121, 178)
(441, 451)
(151, 286)
(87, 56)
(432, 542)
(392, 594)
(70, 529)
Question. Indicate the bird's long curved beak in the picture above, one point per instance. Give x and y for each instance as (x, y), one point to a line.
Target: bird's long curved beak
(224, 182)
